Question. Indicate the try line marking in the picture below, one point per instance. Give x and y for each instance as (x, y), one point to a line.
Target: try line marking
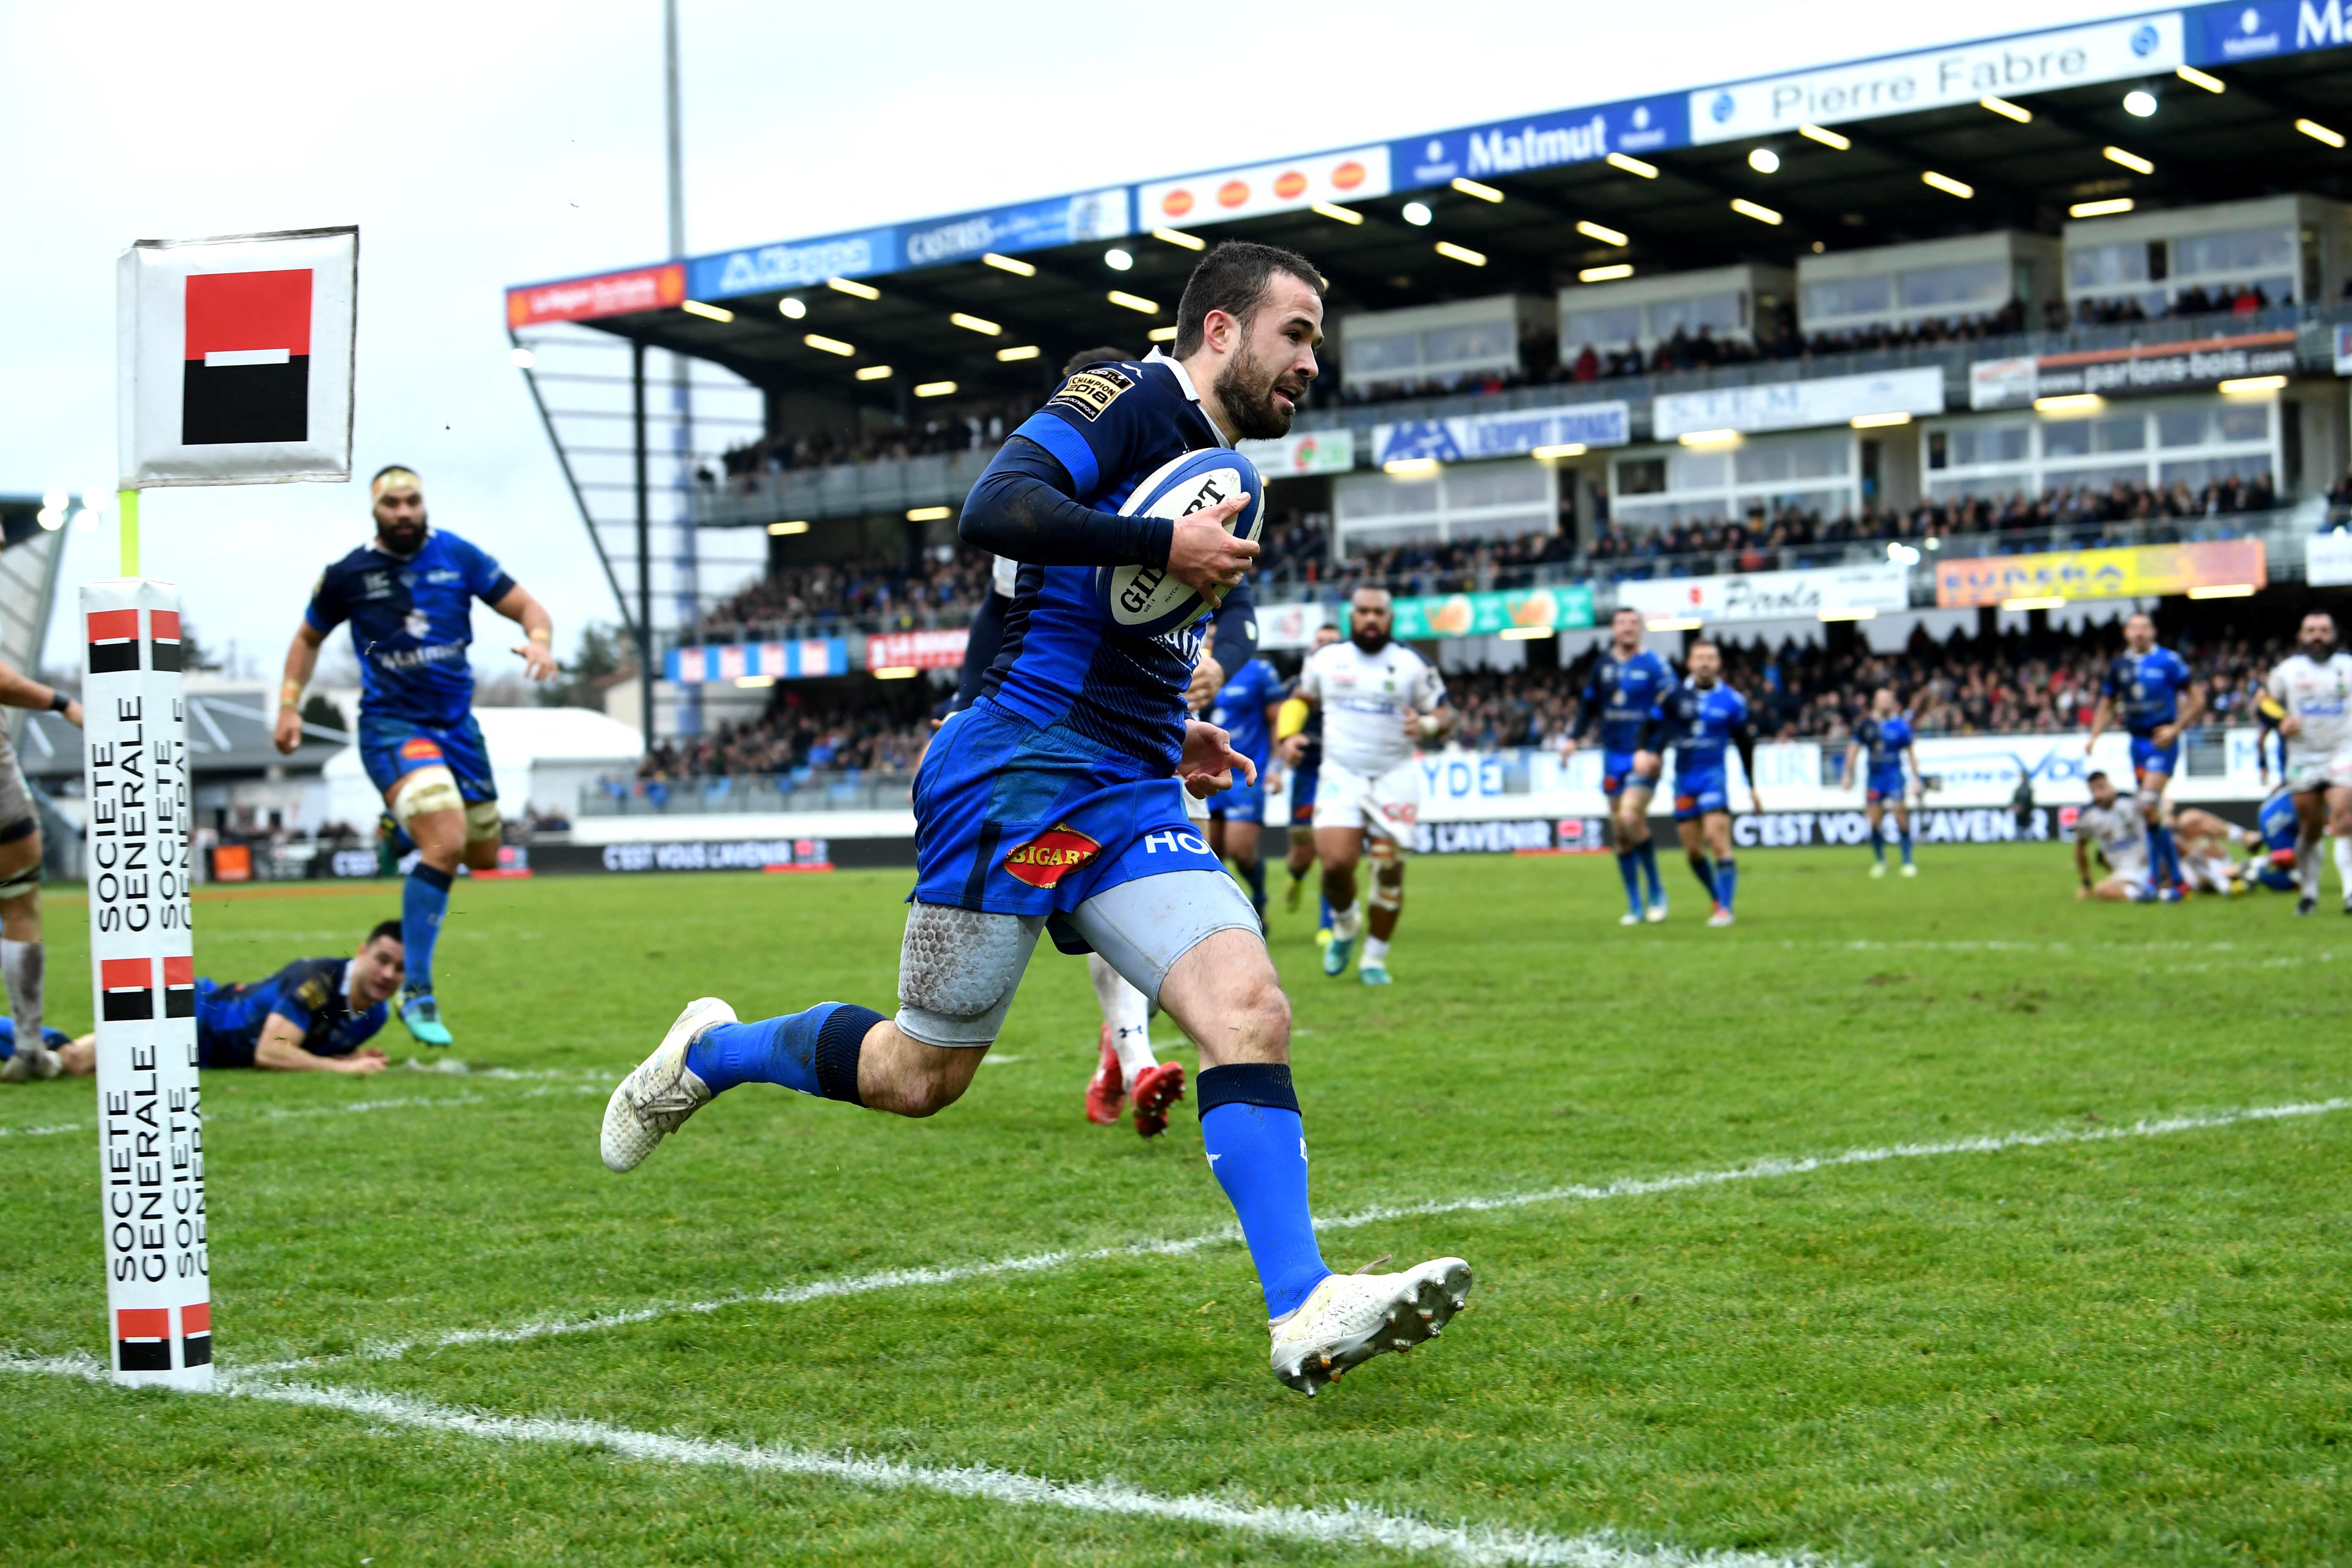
(1349, 1524)
(1766, 1169)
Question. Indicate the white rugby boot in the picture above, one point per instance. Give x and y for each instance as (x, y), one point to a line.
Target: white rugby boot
(656, 1098)
(1351, 1318)
(29, 1063)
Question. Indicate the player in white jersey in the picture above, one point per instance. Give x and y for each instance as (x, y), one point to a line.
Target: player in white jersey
(1380, 699)
(2311, 690)
(2114, 822)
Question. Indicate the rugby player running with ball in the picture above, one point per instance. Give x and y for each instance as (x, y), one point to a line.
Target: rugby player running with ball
(1071, 770)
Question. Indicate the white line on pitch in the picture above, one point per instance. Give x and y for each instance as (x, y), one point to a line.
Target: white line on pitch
(240, 1115)
(1039, 1262)
(1349, 1525)
(40, 1131)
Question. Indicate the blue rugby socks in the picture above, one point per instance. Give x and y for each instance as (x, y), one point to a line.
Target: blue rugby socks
(2166, 855)
(1726, 880)
(1629, 872)
(423, 900)
(1703, 868)
(1906, 847)
(1648, 850)
(815, 1052)
(1257, 1147)
(1878, 843)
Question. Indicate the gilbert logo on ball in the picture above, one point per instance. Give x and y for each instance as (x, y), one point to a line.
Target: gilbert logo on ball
(1146, 601)
(236, 358)
(151, 1138)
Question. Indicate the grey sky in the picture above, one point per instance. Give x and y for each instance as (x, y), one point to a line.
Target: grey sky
(485, 144)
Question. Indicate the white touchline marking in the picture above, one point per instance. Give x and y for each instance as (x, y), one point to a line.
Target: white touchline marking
(40, 1131)
(1039, 1262)
(1349, 1524)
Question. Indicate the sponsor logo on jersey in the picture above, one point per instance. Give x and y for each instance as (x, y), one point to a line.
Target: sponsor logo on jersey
(417, 749)
(1092, 391)
(1051, 855)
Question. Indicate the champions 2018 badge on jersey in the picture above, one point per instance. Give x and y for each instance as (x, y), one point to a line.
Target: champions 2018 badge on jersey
(1090, 391)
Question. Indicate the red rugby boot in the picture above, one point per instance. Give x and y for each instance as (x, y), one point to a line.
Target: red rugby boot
(1106, 1091)
(1156, 1088)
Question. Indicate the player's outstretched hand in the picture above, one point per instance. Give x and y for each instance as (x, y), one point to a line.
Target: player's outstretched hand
(1204, 556)
(538, 660)
(1291, 750)
(366, 1059)
(1210, 760)
(288, 734)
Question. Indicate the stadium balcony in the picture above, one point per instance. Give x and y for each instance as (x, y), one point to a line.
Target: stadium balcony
(887, 486)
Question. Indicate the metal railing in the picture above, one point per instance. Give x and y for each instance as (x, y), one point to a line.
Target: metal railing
(855, 490)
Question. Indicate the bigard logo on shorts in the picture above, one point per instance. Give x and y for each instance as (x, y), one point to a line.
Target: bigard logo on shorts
(1091, 390)
(1051, 855)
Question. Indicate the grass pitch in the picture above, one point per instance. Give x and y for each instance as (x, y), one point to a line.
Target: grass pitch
(2116, 1346)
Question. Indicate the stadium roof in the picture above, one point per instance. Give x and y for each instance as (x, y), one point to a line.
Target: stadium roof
(2013, 132)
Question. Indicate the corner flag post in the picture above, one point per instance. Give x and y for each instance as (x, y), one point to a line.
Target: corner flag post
(235, 367)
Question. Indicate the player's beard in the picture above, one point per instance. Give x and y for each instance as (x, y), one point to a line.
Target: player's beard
(402, 538)
(1246, 393)
(1372, 642)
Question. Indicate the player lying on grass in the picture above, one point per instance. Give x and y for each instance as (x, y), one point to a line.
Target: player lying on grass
(2113, 822)
(1885, 736)
(316, 1014)
(1058, 801)
(2205, 842)
(23, 956)
(408, 594)
(1627, 682)
(1702, 718)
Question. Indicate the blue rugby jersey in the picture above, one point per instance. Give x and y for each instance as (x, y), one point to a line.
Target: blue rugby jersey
(1883, 741)
(1239, 710)
(312, 994)
(1699, 725)
(412, 623)
(2146, 687)
(2279, 826)
(1618, 699)
(1061, 662)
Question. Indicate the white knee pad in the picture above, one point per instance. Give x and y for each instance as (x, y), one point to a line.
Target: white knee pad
(428, 789)
(18, 884)
(958, 970)
(483, 824)
(1388, 878)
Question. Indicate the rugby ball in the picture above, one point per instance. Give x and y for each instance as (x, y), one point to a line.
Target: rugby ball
(1145, 600)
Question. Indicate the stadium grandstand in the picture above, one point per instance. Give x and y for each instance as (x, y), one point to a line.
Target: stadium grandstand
(1854, 368)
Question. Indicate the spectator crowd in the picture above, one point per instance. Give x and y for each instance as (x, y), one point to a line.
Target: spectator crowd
(2004, 683)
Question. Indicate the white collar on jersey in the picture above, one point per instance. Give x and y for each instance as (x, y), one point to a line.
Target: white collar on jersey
(1184, 380)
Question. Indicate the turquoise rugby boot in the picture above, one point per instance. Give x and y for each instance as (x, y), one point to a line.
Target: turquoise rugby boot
(422, 1015)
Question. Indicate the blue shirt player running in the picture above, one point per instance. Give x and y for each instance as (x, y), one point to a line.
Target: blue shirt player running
(1298, 741)
(1244, 708)
(1703, 720)
(1885, 738)
(409, 597)
(1627, 682)
(1057, 801)
(2149, 690)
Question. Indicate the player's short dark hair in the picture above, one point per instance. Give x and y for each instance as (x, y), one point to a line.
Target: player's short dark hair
(2095, 775)
(1233, 278)
(1102, 355)
(385, 928)
(1698, 643)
